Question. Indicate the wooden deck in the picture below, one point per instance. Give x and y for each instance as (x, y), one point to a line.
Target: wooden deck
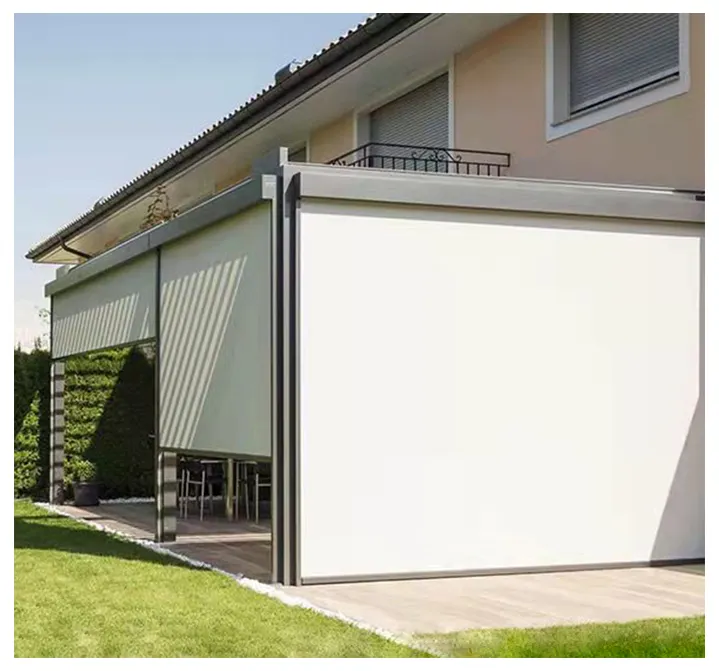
(432, 605)
(530, 600)
(240, 547)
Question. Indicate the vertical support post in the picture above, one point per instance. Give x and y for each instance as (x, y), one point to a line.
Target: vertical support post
(57, 432)
(284, 491)
(287, 396)
(165, 462)
(290, 420)
(274, 195)
(229, 488)
(166, 499)
(273, 190)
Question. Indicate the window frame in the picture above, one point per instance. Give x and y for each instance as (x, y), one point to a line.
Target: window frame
(560, 122)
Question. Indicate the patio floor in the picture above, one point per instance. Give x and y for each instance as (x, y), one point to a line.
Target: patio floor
(531, 600)
(238, 547)
(432, 605)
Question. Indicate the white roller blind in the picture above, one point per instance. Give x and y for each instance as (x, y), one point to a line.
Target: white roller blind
(478, 395)
(612, 54)
(214, 338)
(109, 310)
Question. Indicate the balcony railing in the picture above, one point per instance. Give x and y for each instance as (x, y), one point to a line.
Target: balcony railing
(425, 159)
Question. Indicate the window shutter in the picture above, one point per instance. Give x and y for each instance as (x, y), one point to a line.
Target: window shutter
(420, 118)
(613, 54)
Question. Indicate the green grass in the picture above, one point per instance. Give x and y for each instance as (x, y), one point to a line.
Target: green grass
(680, 637)
(82, 593)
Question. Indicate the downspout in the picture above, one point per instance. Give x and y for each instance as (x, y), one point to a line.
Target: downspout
(77, 252)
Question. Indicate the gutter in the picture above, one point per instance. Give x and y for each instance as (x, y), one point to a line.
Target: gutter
(72, 250)
(340, 54)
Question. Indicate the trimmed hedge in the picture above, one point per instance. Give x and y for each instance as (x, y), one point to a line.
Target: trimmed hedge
(32, 421)
(28, 472)
(109, 414)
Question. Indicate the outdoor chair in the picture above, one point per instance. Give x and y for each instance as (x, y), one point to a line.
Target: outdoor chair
(258, 479)
(203, 476)
(242, 482)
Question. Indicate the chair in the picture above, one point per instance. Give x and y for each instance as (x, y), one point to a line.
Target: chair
(242, 488)
(259, 479)
(203, 476)
(181, 473)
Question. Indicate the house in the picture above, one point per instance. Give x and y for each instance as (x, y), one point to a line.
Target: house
(453, 294)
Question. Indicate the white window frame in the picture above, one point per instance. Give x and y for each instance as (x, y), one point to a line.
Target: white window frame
(559, 121)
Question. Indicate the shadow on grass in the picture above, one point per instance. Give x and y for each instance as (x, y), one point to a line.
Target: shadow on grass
(50, 532)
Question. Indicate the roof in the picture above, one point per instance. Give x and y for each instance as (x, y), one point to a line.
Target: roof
(357, 42)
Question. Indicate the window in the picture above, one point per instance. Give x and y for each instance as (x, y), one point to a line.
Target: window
(601, 66)
(419, 118)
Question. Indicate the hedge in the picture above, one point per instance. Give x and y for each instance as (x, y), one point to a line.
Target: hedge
(109, 414)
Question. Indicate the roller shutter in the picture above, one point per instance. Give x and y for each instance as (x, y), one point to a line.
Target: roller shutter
(419, 118)
(613, 54)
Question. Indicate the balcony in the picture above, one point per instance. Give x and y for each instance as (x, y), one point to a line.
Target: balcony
(426, 159)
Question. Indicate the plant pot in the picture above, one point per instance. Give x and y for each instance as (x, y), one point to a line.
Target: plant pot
(86, 494)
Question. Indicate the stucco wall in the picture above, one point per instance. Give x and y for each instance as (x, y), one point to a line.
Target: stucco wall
(235, 177)
(500, 106)
(332, 140)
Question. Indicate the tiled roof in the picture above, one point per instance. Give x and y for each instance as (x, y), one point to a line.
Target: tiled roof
(364, 37)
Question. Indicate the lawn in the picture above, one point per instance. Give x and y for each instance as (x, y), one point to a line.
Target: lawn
(82, 593)
(681, 637)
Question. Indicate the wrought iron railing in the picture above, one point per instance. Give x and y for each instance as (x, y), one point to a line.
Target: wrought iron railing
(425, 159)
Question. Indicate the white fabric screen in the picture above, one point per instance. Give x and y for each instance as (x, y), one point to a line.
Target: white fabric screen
(486, 391)
(112, 309)
(215, 338)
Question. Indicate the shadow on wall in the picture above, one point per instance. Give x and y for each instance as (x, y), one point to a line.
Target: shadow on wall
(681, 530)
(120, 445)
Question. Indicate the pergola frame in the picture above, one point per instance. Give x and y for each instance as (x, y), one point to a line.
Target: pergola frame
(265, 184)
(283, 185)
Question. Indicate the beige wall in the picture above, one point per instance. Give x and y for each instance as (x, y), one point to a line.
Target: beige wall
(332, 140)
(500, 106)
(235, 177)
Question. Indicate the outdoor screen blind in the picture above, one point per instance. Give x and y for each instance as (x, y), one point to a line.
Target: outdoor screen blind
(110, 310)
(613, 54)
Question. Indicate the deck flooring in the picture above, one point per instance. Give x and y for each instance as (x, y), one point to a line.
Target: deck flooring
(529, 600)
(432, 605)
(240, 547)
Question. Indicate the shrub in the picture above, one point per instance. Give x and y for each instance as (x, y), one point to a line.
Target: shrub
(80, 470)
(109, 414)
(27, 452)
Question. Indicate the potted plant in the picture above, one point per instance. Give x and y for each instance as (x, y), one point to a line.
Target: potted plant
(83, 483)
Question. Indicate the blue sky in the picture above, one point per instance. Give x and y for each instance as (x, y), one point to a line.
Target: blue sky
(100, 97)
